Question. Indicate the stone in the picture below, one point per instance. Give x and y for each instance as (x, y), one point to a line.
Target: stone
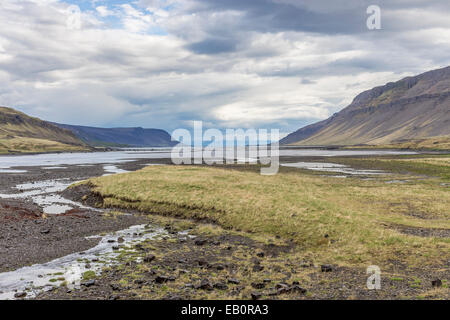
(258, 285)
(149, 258)
(436, 283)
(260, 254)
(88, 283)
(163, 279)
(20, 295)
(256, 295)
(326, 268)
(205, 284)
(200, 242)
(258, 267)
(220, 286)
(233, 281)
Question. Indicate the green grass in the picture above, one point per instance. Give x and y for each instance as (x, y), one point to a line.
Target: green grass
(356, 214)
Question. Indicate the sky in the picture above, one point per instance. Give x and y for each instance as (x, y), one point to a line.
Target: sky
(276, 64)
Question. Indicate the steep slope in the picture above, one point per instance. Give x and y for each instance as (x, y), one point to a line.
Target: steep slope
(413, 108)
(136, 137)
(22, 133)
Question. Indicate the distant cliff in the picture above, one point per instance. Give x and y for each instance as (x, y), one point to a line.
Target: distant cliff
(412, 109)
(120, 137)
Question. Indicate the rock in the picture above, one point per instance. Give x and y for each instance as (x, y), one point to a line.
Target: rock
(256, 295)
(200, 242)
(202, 263)
(258, 285)
(149, 258)
(436, 283)
(297, 288)
(216, 243)
(218, 266)
(326, 268)
(111, 241)
(87, 266)
(115, 248)
(45, 231)
(258, 267)
(205, 284)
(233, 281)
(115, 287)
(267, 280)
(164, 279)
(88, 283)
(20, 295)
(260, 254)
(221, 286)
(120, 240)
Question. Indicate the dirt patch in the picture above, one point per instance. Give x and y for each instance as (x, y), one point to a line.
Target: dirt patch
(423, 232)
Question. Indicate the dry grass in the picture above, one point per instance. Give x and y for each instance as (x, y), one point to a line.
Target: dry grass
(32, 145)
(295, 206)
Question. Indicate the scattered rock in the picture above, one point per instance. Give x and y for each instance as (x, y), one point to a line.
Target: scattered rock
(88, 283)
(221, 286)
(20, 295)
(258, 285)
(258, 268)
(200, 242)
(164, 279)
(149, 258)
(205, 284)
(256, 295)
(326, 268)
(233, 281)
(436, 283)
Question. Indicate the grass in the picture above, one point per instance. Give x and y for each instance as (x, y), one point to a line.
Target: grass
(435, 143)
(355, 214)
(34, 145)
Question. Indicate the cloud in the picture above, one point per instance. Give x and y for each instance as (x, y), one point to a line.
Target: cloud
(235, 63)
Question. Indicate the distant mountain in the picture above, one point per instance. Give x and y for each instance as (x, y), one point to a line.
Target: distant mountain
(412, 109)
(120, 137)
(22, 133)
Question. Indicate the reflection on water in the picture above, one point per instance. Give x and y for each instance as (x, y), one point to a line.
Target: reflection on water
(43, 193)
(69, 269)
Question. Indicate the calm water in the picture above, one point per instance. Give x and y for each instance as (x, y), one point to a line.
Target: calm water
(61, 159)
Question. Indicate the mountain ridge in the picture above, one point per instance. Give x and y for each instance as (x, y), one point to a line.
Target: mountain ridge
(415, 107)
(121, 137)
(22, 133)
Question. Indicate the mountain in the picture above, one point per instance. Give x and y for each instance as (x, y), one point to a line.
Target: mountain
(22, 133)
(412, 109)
(120, 137)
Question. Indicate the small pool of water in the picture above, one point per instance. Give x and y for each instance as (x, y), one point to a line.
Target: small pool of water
(70, 269)
(332, 167)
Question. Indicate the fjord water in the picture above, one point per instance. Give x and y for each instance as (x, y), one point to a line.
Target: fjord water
(60, 159)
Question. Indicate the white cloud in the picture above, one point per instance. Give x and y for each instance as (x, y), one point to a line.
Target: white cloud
(158, 63)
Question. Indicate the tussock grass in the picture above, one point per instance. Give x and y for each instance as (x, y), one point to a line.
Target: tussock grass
(34, 145)
(302, 208)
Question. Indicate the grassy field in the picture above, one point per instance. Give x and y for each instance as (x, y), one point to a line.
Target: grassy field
(351, 222)
(436, 143)
(33, 145)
